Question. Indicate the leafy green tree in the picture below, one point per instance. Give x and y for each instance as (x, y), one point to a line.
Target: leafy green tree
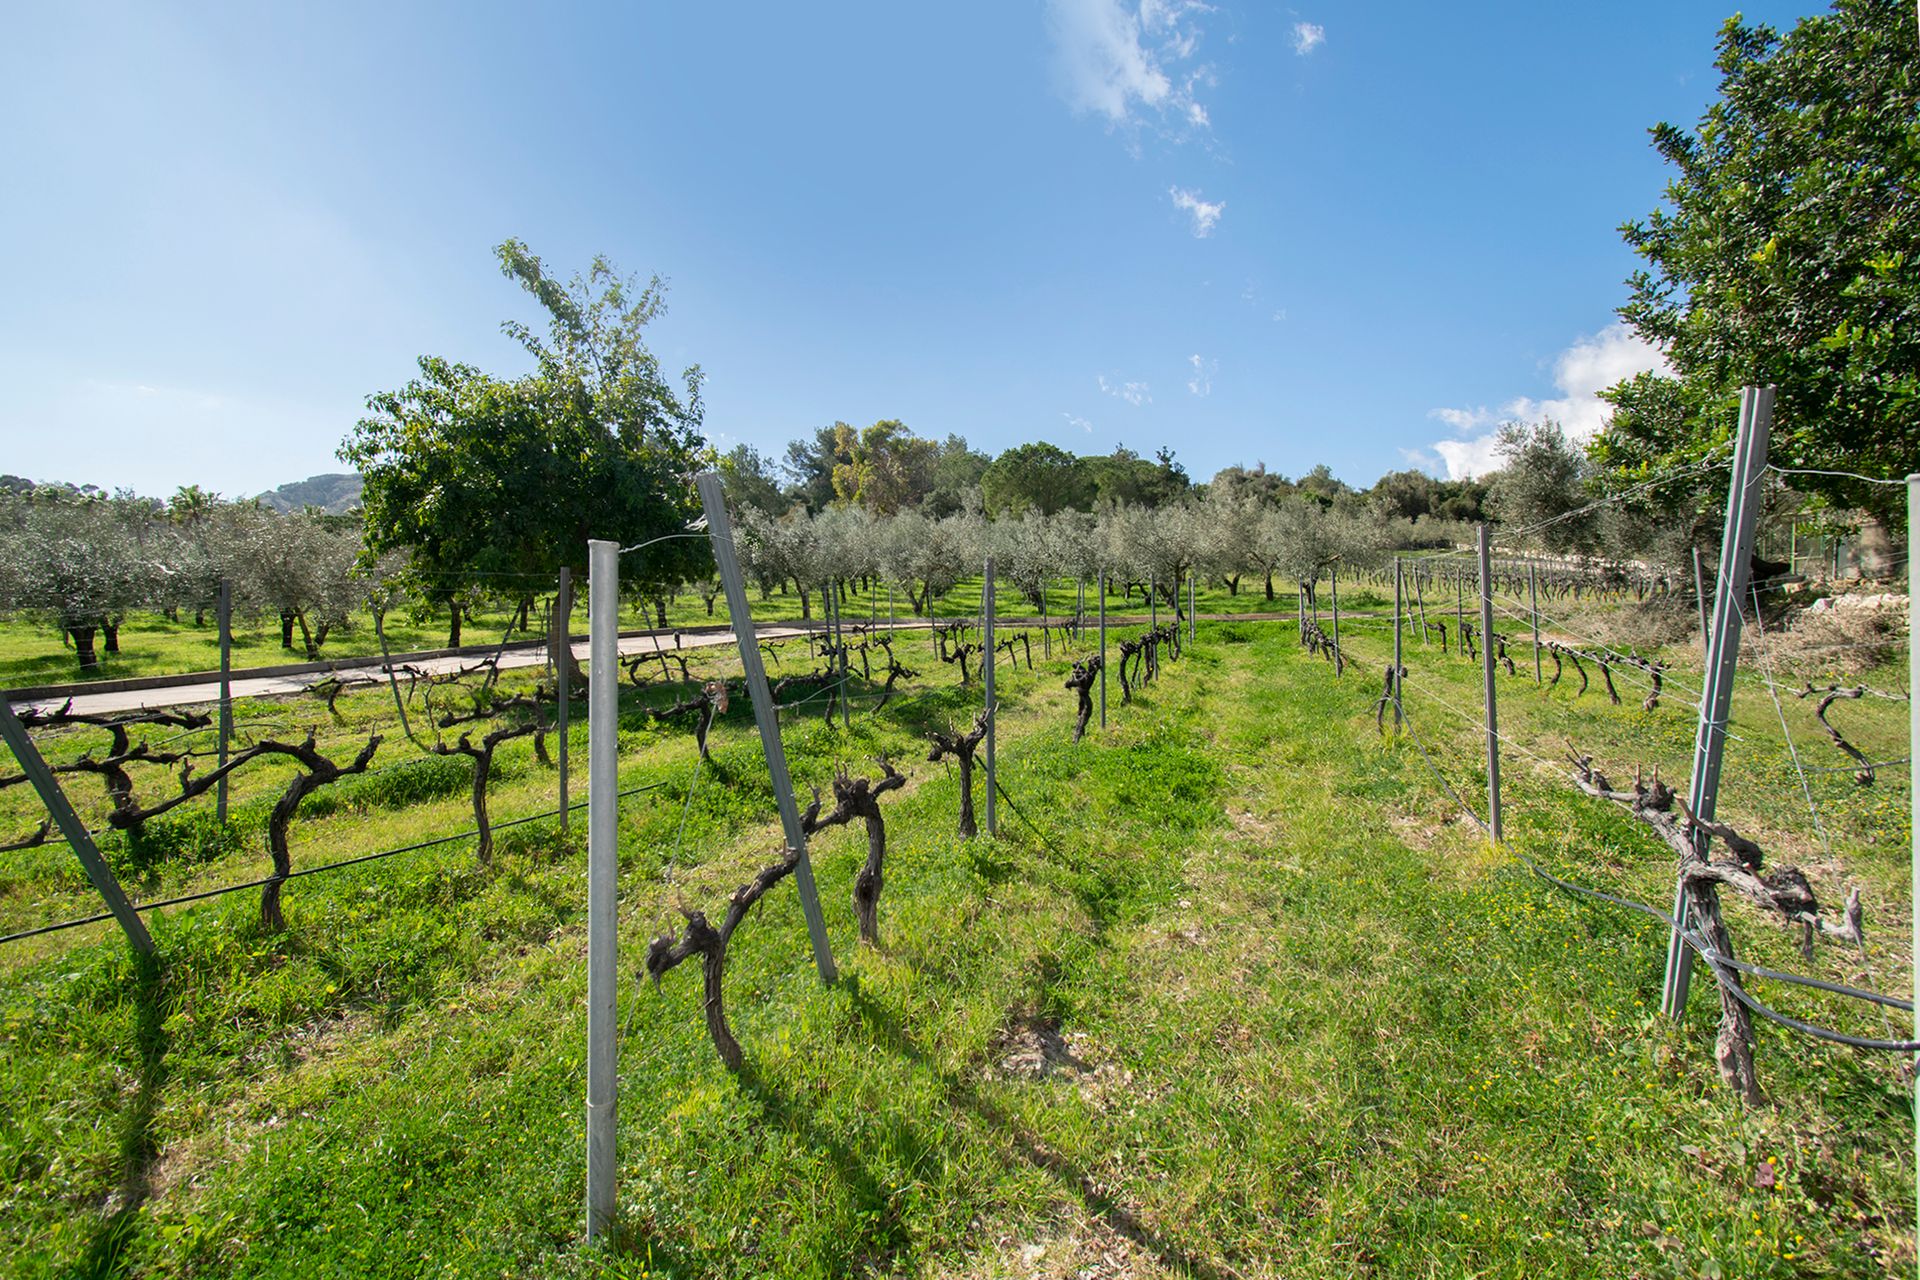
(1125, 476)
(749, 480)
(79, 563)
(1037, 476)
(1256, 482)
(957, 473)
(884, 468)
(1788, 253)
(810, 464)
(475, 476)
(1544, 481)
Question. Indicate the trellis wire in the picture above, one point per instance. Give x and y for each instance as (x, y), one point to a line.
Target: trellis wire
(310, 871)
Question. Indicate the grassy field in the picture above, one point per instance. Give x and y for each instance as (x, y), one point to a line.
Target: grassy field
(1238, 991)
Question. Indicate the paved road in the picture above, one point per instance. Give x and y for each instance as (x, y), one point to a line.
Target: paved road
(245, 686)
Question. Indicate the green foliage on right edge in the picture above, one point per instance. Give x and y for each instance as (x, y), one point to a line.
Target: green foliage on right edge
(1789, 254)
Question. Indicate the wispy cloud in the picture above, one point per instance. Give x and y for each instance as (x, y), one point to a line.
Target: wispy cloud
(1075, 420)
(1591, 365)
(1121, 61)
(1308, 36)
(1205, 215)
(1134, 393)
(1201, 383)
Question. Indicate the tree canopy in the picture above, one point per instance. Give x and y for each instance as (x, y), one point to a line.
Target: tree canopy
(1788, 253)
(474, 475)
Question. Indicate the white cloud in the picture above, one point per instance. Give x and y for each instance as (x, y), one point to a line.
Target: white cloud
(1113, 59)
(1134, 393)
(1464, 420)
(1588, 367)
(1308, 36)
(1075, 420)
(1201, 383)
(1204, 214)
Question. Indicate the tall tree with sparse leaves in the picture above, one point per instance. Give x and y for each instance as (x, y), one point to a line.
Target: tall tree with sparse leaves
(476, 476)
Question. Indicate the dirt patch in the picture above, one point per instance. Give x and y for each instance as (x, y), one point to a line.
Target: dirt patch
(1031, 1047)
(1088, 1250)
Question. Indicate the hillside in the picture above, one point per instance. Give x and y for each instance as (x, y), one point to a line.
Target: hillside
(335, 494)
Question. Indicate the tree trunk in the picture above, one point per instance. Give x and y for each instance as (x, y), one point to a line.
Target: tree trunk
(453, 627)
(482, 767)
(806, 607)
(967, 825)
(286, 628)
(83, 647)
(277, 823)
(867, 885)
(660, 613)
(560, 638)
(1875, 547)
(1269, 584)
(112, 634)
(306, 637)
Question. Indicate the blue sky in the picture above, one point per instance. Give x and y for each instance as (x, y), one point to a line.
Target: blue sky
(1358, 234)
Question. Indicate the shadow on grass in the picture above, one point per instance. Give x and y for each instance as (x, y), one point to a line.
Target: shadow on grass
(106, 1252)
(1068, 1174)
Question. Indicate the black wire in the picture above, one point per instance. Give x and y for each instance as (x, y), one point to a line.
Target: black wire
(1716, 961)
(313, 871)
(1051, 846)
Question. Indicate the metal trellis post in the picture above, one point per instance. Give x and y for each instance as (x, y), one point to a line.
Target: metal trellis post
(603, 807)
(993, 707)
(225, 612)
(1533, 608)
(1101, 591)
(1723, 651)
(840, 645)
(563, 688)
(75, 831)
(765, 714)
(1487, 668)
(1333, 591)
(1913, 746)
(1399, 613)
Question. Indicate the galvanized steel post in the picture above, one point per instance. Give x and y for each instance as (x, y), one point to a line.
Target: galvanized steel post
(563, 688)
(1399, 613)
(1486, 663)
(1533, 608)
(993, 707)
(225, 612)
(1101, 591)
(1913, 748)
(1333, 590)
(1723, 651)
(765, 714)
(75, 832)
(603, 766)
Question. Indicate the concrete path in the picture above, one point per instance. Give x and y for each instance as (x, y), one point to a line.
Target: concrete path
(245, 686)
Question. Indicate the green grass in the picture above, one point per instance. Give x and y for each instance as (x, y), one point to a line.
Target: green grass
(1312, 1025)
